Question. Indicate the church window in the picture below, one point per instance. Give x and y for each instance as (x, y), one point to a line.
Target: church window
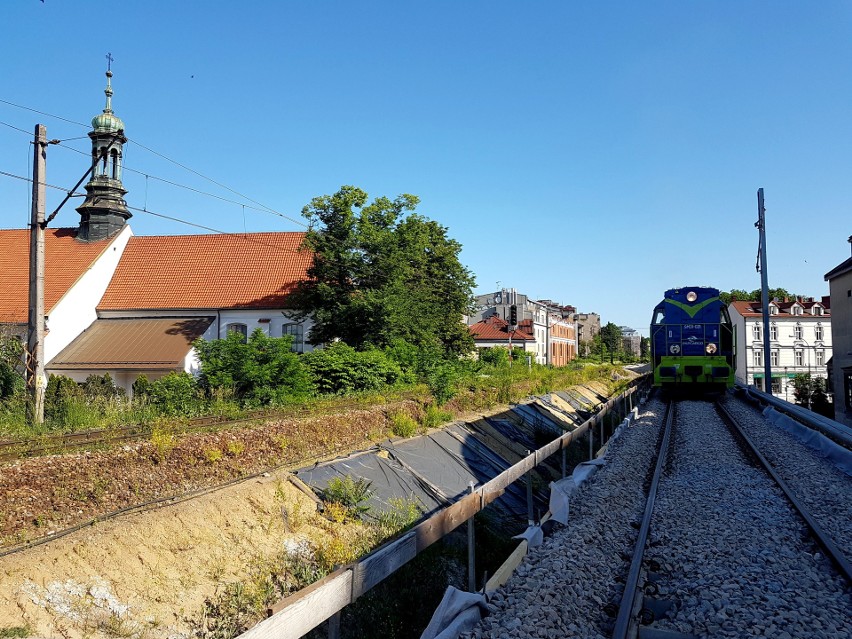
(297, 333)
(114, 158)
(240, 329)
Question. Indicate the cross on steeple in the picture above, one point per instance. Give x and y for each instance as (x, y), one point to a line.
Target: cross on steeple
(109, 61)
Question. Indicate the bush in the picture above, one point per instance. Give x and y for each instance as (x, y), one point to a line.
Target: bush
(59, 395)
(442, 382)
(340, 369)
(403, 425)
(263, 370)
(496, 356)
(102, 387)
(176, 394)
(434, 417)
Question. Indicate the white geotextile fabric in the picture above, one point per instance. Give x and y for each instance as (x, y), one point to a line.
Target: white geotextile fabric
(534, 536)
(835, 453)
(458, 612)
(562, 490)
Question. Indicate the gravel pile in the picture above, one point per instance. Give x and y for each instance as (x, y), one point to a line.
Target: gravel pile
(561, 588)
(737, 561)
(825, 491)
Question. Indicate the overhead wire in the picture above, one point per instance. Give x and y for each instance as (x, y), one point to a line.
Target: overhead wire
(264, 208)
(194, 190)
(165, 217)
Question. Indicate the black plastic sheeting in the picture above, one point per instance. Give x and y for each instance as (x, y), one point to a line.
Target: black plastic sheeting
(437, 469)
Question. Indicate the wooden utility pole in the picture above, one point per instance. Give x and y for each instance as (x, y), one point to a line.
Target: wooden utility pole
(35, 326)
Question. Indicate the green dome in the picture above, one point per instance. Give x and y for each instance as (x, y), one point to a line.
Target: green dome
(107, 122)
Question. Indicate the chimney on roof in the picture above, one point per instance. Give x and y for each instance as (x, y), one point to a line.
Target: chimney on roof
(849, 239)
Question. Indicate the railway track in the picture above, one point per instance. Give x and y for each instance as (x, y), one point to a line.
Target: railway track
(716, 568)
(720, 552)
(49, 444)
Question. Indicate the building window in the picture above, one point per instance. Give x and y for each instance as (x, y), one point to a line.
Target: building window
(797, 310)
(819, 358)
(776, 386)
(755, 330)
(757, 357)
(800, 357)
(773, 358)
(797, 332)
(818, 332)
(773, 310)
(240, 329)
(296, 331)
(817, 310)
(773, 332)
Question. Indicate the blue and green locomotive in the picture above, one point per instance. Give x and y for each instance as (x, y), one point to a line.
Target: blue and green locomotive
(693, 340)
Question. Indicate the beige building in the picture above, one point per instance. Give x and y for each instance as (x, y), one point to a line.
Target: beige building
(840, 291)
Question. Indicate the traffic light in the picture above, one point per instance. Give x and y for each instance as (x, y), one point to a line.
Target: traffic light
(513, 314)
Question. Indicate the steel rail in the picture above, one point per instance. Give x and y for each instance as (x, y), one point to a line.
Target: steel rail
(625, 609)
(822, 537)
(11, 450)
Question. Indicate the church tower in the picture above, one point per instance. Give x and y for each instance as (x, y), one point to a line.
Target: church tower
(104, 211)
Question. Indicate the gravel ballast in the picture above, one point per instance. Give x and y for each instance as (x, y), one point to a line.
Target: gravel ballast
(736, 560)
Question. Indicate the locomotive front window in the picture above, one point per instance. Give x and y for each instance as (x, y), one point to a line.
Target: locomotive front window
(659, 316)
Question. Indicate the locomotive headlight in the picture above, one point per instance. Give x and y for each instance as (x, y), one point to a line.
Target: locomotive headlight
(710, 348)
(691, 296)
(674, 349)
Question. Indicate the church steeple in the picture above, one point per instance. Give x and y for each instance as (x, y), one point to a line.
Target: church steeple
(105, 212)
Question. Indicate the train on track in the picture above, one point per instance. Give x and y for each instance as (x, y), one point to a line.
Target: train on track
(693, 343)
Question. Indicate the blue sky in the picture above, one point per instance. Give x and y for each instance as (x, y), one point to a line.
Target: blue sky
(591, 153)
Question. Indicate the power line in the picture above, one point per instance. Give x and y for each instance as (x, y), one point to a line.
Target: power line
(263, 208)
(29, 133)
(50, 115)
(201, 175)
(199, 191)
(166, 217)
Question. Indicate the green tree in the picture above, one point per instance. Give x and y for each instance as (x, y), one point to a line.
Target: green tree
(645, 349)
(381, 274)
(611, 339)
(809, 391)
(754, 296)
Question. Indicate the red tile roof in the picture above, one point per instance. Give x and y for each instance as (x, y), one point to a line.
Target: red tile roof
(252, 270)
(66, 259)
(495, 328)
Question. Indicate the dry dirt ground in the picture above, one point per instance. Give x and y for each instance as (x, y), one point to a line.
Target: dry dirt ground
(147, 574)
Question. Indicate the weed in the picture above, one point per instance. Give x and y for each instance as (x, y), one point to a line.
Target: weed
(12, 632)
(349, 493)
(283, 443)
(164, 442)
(99, 488)
(434, 416)
(212, 455)
(235, 448)
(401, 514)
(402, 424)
